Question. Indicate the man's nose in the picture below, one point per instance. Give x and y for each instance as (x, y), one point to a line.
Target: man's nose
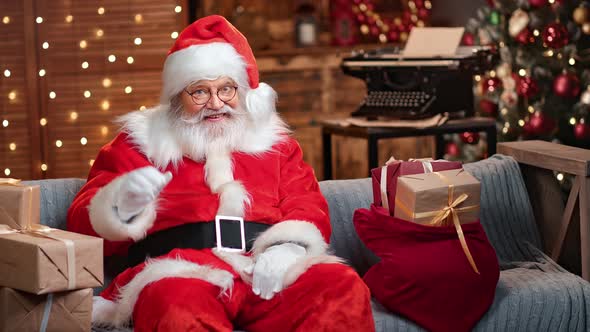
(214, 102)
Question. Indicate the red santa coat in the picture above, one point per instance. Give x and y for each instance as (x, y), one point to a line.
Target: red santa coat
(267, 181)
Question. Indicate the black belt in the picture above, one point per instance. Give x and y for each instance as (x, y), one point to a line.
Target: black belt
(199, 235)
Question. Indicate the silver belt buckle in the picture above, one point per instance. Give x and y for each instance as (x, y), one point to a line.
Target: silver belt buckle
(218, 220)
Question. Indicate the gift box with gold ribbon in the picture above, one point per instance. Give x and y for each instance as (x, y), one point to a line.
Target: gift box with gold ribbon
(64, 311)
(446, 198)
(19, 204)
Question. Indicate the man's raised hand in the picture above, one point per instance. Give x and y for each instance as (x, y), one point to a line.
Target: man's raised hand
(139, 188)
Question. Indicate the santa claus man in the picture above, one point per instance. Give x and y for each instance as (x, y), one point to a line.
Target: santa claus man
(213, 147)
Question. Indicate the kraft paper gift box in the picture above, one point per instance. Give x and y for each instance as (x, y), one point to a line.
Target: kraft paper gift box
(55, 312)
(385, 178)
(19, 204)
(50, 260)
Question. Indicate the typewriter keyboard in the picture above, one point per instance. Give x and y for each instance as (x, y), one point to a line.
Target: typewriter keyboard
(409, 99)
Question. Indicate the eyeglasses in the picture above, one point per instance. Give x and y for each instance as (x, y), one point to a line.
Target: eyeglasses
(201, 96)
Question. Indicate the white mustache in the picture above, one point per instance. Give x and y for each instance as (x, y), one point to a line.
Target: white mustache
(202, 114)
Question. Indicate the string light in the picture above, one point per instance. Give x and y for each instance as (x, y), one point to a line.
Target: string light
(87, 94)
(45, 45)
(559, 175)
(177, 9)
(6, 19)
(43, 122)
(138, 18)
(85, 65)
(74, 115)
(42, 72)
(505, 130)
(12, 95)
(43, 167)
(83, 44)
(128, 89)
(6, 73)
(137, 41)
(112, 58)
(5, 123)
(550, 53)
(100, 11)
(83, 141)
(504, 111)
(99, 33)
(174, 35)
(477, 78)
(551, 2)
(572, 61)
(522, 72)
(91, 162)
(536, 33)
(130, 60)
(39, 20)
(572, 121)
(521, 122)
(69, 19)
(7, 171)
(104, 130)
(105, 105)
(107, 82)
(59, 143)
(492, 73)
(531, 109)
(428, 4)
(12, 146)
(142, 108)
(52, 95)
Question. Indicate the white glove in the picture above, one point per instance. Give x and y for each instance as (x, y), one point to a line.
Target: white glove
(139, 188)
(270, 268)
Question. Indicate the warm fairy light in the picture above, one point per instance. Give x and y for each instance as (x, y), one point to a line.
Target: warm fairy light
(112, 58)
(7, 171)
(521, 122)
(39, 19)
(142, 108)
(105, 105)
(12, 95)
(559, 175)
(74, 115)
(128, 89)
(492, 73)
(505, 130)
(531, 109)
(107, 82)
(6, 19)
(83, 44)
(59, 143)
(45, 45)
(382, 38)
(5, 123)
(100, 11)
(83, 141)
(427, 4)
(6, 73)
(504, 111)
(104, 130)
(130, 60)
(506, 124)
(177, 9)
(12, 146)
(137, 41)
(43, 167)
(69, 19)
(572, 61)
(138, 18)
(52, 95)
(477, 78)
(559, 55)
(99, 33)
(87, 94)
(91, 162)
(550, 53)
(522, 72)
(551, 1)
(43, 122)
(42, 72)
(572, 121)
(174, 35)
(536, 33)
(85, 65)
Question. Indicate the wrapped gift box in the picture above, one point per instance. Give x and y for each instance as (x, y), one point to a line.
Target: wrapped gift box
(393, 170)
(421, 197)
(19, 204)
(55, 312)
(41, 262)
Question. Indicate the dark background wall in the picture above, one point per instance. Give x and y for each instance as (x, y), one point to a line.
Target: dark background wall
(454, 12)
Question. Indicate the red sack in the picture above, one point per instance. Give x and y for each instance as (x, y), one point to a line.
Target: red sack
(398, 168)
(424, 274)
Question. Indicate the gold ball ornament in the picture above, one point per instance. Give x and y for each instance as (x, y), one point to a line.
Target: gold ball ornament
(364, 29)
(581, 15)
(586, 28)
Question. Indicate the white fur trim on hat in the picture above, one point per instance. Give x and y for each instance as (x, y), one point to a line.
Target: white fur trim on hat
(118, 313)
(197, 62)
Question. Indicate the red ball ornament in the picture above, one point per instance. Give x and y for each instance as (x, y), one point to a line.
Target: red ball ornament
(361, 18)
(555, 35)
(488, 107)
(539, 124)
(525, 37)
(423, 13)
(566, 85)
(491, 84)
(537, 3)
(393, 35)
(468, 39)
(419, 3)
(374, 30)
(470, 138)
(491, 3)
(582, 131)
(527, 87)
(452, 149)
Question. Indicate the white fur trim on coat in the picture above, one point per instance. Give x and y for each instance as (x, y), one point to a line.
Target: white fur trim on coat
(297, 231)
(106, 222)
(196, 62)
(119, 313)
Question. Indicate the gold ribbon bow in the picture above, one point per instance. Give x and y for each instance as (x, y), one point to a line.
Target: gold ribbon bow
(9, 182)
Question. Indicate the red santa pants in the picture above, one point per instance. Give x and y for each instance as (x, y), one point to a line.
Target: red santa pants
(327, 297)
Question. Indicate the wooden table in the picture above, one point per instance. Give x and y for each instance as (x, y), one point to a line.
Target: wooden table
(374, 134)
(564, 159)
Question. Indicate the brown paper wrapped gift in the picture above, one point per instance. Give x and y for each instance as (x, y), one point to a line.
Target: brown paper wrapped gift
(440, 199)
(57, 312)
(50, 260)
(19, 204)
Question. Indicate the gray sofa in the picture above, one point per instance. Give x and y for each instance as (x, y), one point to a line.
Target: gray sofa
(533, 293)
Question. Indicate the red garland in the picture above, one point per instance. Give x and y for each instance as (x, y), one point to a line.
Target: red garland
(387, 30)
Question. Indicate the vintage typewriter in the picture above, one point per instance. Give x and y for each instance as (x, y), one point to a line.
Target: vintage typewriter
(406, 88)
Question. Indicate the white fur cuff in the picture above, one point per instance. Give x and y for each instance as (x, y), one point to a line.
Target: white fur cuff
(106, 222)
(298, 231)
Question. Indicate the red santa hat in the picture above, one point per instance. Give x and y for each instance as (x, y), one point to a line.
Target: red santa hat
(209, 48)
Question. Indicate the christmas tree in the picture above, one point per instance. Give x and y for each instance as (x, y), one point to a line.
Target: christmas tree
(541, 86)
